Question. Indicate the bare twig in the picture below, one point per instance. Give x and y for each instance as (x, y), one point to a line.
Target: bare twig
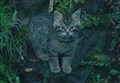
(51, 4)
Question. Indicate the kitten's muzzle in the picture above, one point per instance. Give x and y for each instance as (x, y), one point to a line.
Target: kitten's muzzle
(67, 39)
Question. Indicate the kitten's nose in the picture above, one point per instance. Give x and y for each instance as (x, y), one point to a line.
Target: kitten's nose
(67, 31)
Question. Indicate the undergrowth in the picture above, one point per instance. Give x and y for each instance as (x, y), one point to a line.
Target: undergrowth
(9, 46)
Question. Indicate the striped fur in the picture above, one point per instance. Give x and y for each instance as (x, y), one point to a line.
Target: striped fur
(19, 23)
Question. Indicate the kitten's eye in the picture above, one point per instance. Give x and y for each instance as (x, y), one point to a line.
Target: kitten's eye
(60, 28)
(74, 28)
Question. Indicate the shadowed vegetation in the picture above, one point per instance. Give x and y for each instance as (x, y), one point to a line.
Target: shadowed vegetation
(95, 14)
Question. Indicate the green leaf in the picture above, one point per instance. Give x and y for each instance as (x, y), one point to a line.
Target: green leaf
(1, 81)
(82, 1)
(113, 72)
(17, 80)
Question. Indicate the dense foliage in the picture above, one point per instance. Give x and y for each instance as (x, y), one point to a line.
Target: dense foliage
(104, 68)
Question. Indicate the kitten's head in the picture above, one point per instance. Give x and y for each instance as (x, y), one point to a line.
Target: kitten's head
(67, 27)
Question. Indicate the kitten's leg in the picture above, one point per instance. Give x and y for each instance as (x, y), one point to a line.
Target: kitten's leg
(66, 65)
(54, 64)
(42, 56)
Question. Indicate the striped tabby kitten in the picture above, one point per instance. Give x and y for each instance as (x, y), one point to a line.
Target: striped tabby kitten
(53, 36)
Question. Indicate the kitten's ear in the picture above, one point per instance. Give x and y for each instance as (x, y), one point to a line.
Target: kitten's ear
(57, 17)
(76, 15)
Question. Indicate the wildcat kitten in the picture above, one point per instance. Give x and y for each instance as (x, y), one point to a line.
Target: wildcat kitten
(53, 36)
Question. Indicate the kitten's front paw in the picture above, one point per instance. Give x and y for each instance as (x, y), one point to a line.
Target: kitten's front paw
(67, 69)
(55, 69)
(44, 57)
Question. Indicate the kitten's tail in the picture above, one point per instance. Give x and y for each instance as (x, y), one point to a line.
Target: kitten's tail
(18, 24)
